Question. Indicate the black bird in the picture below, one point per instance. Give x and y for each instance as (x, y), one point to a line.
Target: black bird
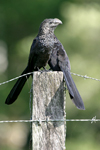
(59, 62)
(40, 52)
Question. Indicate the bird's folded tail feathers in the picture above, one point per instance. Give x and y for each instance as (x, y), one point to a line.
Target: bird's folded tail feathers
(17, 87)
(73, 92)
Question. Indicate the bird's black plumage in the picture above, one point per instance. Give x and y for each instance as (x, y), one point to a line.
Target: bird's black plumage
(40, 52)
(59, 62)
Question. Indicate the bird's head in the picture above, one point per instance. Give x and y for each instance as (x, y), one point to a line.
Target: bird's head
(48, 25)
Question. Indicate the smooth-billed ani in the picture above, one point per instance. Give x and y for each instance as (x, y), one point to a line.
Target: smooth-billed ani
(40, 51)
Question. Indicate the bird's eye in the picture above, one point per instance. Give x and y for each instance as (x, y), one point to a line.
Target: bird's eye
(50, 22)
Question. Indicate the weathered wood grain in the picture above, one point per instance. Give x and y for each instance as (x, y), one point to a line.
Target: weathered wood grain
(48, 103)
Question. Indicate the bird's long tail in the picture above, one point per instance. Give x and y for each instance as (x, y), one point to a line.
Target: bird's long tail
(17, 87)
(73, 92)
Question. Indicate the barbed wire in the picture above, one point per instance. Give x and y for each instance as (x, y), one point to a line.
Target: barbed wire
(93, 120)
(16, 78)
(85, 76)
(82, 76)
(61, 120)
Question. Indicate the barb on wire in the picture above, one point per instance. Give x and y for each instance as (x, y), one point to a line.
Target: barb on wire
(93, 120)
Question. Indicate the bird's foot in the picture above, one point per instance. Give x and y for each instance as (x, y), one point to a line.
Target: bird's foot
(45, 70)
(39, 70)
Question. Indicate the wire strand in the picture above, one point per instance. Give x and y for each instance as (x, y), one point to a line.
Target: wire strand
(16, 78)
(93, 120)
(83, 76)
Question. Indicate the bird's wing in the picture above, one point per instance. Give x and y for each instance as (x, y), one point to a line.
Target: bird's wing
(33, 54)
(64, 65)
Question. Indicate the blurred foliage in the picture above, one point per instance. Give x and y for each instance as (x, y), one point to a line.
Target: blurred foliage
(80, 35)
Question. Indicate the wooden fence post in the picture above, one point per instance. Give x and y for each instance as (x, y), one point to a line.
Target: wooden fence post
(48, 103)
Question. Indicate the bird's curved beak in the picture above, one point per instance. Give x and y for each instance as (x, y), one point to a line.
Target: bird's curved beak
(57, 21)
